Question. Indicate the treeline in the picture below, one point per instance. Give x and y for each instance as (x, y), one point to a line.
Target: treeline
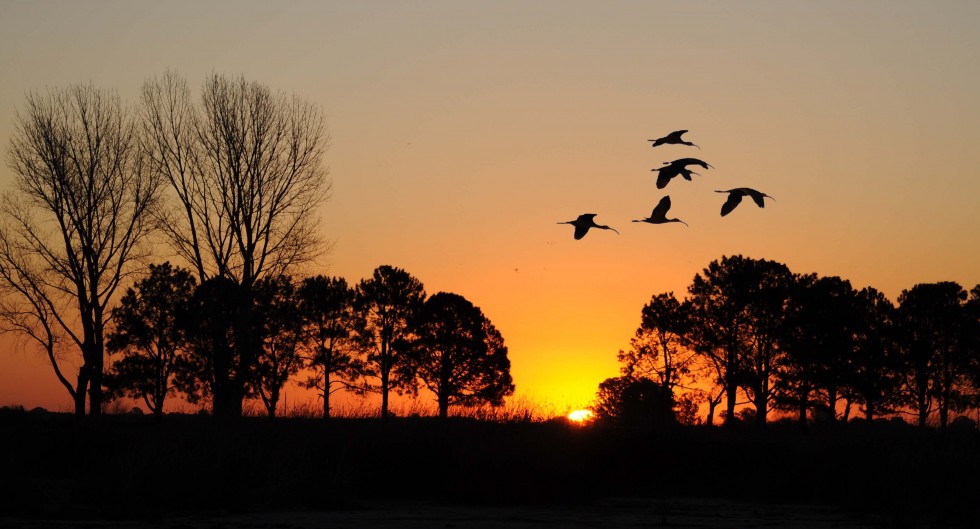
(750, 331)
(229, 183)
(172, 335)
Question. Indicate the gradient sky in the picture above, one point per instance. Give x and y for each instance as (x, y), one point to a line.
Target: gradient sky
(463, 131)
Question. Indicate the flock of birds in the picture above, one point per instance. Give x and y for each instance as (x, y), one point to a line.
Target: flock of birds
(669, 171)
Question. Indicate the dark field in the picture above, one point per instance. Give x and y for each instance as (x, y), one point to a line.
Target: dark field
(56, 471)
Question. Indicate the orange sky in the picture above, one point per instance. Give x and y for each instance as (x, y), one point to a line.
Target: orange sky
(464, 131)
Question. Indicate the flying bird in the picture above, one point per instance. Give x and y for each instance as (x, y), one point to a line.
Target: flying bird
(673, 138)
(659, 214)
(676, 168)
(735, 197)
(583, 223)
(684, 162)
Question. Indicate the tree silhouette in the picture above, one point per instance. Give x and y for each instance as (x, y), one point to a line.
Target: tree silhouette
(816, 343)
(388, 302)
(634, 401)
(659, 349)
(246, 174)
(147, 334)
(332, 328)
(282, 330)
(458, 354)
(872, 372)
(768, 289)
(217, 368)
(74, 222)
(934, 326)
(734, 308)
(973, 342)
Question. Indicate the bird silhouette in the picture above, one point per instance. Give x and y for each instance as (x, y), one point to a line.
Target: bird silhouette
(678, 168)
(659, 214)
(684, 162)
(583, 223)
(674, 138)
(735, 197)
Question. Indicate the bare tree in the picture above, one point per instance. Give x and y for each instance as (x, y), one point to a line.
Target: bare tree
(246, 174)
(73, 224)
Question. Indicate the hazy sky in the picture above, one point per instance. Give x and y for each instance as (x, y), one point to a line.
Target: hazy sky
(462, 132)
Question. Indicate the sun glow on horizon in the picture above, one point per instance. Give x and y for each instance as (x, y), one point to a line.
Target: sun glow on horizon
(581, 417)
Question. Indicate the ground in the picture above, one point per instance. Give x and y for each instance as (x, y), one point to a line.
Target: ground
(607, 514)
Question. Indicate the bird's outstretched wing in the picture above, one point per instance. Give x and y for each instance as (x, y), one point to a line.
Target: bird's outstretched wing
(580, 231)
(758, 198)
(733, 200)
(660, 211)
(684, 162)
(676, 135)
(663, 179)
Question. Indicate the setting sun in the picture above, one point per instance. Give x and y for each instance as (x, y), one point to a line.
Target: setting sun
(581, 416)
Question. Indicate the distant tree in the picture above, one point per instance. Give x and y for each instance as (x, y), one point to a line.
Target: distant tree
(282, 331)
(973, 344)
(246, 176)
(332, 326)
(458, 354)
(217, 369)
(766, 325)
(71, 228)
(147, 335)
(388, 302)
(635, 401)
(872, 374)
(659, 349)
(817, 342)
(934, 327)
(736, 311)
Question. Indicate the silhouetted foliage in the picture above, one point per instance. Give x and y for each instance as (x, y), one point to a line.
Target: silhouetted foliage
(332, 328)
(282, 330)
(935, 329)
(218, 368)
(768, 295)
(872, 377)
(816, 342)
(736, 309)
(458, 354)
(634, 401)
(75, 220)
(660, 351)
(806, 343)
(246, 174)
(147, 335)
(388, 302)
(973, 343)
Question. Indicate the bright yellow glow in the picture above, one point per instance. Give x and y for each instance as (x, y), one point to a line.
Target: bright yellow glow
(580, 416)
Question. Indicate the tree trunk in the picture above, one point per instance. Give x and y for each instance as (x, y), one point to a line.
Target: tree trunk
(95, 380)
(384, 394)
(326, 396)
(832, 402)
(81, 391)
(443, 404)
(804, 405)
